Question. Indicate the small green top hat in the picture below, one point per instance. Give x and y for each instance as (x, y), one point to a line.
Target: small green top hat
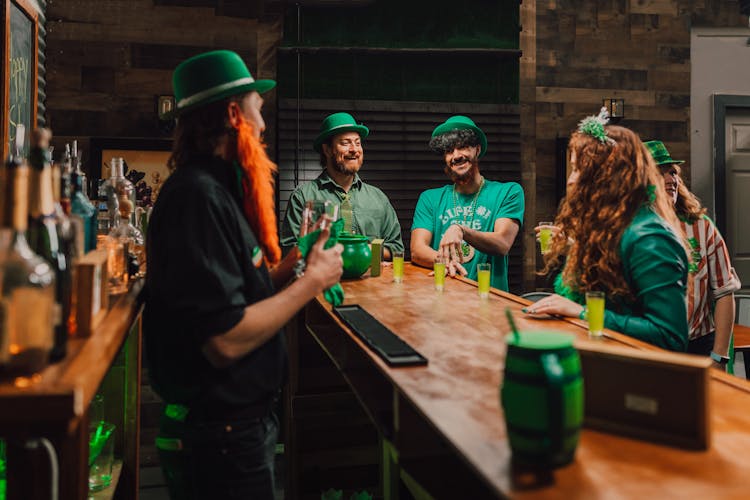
(459, 122)
(659, 151)
(338, 123)
(212, 76)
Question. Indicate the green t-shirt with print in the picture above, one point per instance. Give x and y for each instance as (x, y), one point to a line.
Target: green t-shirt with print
(439, 208)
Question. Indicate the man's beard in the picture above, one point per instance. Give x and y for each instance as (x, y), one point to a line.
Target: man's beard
(258, 200)
(340, 166)
(466, 176)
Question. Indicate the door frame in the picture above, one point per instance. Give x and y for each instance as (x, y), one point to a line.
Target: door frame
(721, 104)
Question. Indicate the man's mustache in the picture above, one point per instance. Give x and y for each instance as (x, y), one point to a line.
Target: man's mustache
(458, 161)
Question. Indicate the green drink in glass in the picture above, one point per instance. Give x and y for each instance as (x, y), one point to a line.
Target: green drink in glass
(439, 268)
(595, 313)
(483, 279)
(398, 266)
(545, 236)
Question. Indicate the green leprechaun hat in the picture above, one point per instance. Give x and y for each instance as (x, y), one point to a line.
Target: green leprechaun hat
(338, 123)
(459, 122)
(212, 76)
(660, 154)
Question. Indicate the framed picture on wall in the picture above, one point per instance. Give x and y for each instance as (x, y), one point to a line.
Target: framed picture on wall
(19, 83)
(145, 162)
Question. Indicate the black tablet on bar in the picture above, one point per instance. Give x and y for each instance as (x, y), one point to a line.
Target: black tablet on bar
(378, 337)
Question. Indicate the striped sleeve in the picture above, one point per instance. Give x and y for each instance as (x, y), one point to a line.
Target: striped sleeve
(723, 279)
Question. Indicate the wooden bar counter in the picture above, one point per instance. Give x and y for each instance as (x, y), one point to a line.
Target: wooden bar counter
(442, 427)
(54, 404)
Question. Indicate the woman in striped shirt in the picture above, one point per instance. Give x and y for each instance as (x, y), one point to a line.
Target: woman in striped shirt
(711, 296)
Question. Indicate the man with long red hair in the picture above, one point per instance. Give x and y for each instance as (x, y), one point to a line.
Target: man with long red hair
(214, 316)
(619, 235)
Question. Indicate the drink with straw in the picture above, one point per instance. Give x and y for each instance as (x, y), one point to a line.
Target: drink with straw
(439, 269)
(398, 266)
(595, 312)
(483, 279)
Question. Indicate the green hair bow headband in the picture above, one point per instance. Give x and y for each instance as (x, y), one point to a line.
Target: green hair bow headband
(594, 126)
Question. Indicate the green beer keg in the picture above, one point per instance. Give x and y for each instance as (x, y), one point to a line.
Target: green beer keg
(542, 397)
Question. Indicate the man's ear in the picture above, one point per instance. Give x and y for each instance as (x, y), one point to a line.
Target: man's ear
(234, 113)
(326, 149)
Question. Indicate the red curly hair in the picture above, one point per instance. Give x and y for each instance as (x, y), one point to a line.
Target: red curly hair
(614, 181)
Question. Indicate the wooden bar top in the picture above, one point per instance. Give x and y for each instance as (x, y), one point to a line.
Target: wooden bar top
(457, 393)
(741, 337)
(63, 391)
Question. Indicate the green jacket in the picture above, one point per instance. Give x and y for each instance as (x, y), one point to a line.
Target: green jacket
(655, 267)
(372, 212)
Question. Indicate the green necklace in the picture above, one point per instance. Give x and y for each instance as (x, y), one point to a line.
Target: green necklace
(467, 251)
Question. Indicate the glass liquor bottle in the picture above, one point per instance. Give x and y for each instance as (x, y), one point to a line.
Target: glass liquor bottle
(44, 234)
(117, 188)
(66, 196)
(82, 207)
(75, 157)
(27, 284)
(123, 241)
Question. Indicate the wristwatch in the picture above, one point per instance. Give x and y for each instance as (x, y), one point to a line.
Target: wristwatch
(299, 268)
(722, 360)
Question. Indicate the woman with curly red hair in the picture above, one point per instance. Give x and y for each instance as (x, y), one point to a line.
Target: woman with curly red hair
(619, 235)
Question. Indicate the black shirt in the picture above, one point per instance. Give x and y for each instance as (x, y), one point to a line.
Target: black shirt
(204, 267)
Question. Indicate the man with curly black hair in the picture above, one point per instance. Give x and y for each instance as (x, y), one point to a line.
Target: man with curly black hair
(473, 220)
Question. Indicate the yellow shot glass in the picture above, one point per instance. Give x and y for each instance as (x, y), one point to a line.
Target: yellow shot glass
(545, 237)
(484, 271)
(595, 313)
(439, 268)
(398, 266)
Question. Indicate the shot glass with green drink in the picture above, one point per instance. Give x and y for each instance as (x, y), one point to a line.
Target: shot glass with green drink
(595, 312)
(398, 266)
(484, 270)
(545, 236)
(439, 271)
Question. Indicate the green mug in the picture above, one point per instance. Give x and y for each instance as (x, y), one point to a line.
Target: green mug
(542, 397)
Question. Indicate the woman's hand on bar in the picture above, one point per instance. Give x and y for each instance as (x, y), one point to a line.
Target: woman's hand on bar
(555, 304)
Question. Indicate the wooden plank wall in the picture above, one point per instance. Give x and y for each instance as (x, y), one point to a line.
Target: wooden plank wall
(578, 52)
(107, 60)
(397, 158)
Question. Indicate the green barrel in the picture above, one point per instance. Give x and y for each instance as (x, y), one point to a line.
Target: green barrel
(542, 397)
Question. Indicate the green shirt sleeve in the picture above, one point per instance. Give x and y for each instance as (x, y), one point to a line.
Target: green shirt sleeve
(655, 265)
(423, 213)
(292, 220)
(513, 204)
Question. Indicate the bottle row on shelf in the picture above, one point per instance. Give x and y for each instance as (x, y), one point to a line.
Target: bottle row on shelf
(49, 229)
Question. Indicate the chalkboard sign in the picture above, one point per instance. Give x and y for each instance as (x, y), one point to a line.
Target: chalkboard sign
(20, 94)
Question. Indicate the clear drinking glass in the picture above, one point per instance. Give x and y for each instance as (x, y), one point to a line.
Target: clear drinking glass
(317, 214)
(101, 455)
(484, 271)
(545, 236)
(595, 313)
(439, 269)
(398, 266)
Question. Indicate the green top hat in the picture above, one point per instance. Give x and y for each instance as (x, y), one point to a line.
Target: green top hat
(338, 123)
(212, 76)
(459, 122)
(659, 151)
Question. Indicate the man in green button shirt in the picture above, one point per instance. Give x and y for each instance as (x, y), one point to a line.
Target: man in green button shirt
(364, 208)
